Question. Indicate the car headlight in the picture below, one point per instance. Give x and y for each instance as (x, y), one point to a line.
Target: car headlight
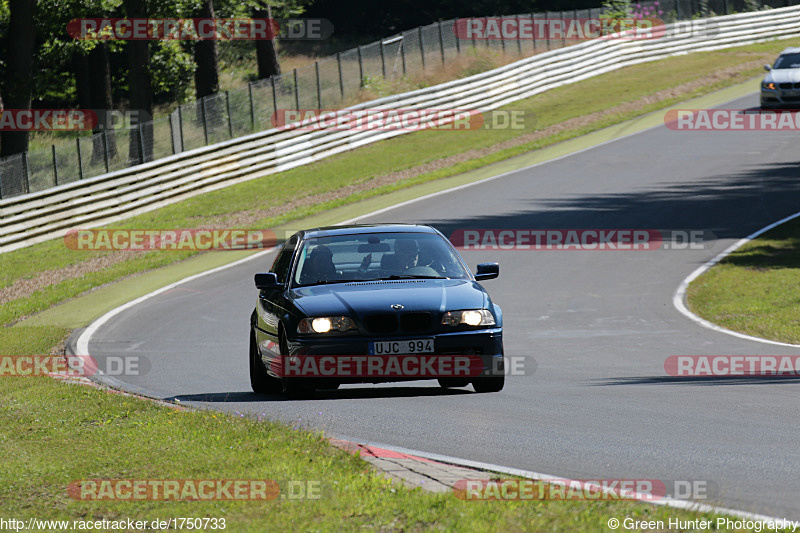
(325, 324)
(768, 85)
(468, 317)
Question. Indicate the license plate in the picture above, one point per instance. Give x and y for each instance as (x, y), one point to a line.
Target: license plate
(408, 346)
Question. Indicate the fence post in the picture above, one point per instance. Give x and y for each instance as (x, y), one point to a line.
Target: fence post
(421, 46)
(180, 127)
(55, 164)
(228, 109)
(458, 38)
(383, 60)
(141, 142)
(103, 134)
(341, 81)
(296, 92)
(274, 96)
(203, 114)
(403, 53)
(534, 33)
(319, 88)
(547, 28)
(441, 42)
(519, 37)
(252, 106)
(677, 10)
(564, 33)
(80, 158)
(360, 67)
(26, 172)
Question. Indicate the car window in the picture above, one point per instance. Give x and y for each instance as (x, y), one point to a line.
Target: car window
(372, 256)
(284, 260)
(787, 61)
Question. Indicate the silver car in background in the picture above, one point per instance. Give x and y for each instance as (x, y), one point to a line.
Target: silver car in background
(781, 87)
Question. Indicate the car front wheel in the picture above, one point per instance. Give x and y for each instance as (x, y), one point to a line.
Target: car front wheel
(260, 381)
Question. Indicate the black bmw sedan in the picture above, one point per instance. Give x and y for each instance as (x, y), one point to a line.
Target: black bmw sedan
(369, 303)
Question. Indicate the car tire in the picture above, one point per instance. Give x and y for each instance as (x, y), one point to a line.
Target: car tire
(493, 384)
(450, 383)
(260, 381)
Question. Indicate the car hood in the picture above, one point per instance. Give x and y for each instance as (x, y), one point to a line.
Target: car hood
(357, 299)
(784, 75)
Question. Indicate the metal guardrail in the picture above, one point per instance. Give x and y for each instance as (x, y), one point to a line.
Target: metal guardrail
(111, 197)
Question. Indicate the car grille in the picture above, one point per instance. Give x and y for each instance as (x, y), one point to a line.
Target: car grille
(789, 85)
(389, 323)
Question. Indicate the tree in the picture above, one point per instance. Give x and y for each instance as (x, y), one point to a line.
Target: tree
(17, 84)
(266, 53)
(140, 88)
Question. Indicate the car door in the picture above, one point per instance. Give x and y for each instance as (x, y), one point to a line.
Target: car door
(273, 304)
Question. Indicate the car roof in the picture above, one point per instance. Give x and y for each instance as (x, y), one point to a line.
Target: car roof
(358, 229)
(791, 50)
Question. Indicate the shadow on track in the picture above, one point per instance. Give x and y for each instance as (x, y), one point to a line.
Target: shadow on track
(322, 394)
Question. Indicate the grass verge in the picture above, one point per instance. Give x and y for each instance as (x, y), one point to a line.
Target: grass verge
(55, 434)
(755, 289)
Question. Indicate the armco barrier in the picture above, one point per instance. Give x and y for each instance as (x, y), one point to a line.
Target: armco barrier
(36, 217)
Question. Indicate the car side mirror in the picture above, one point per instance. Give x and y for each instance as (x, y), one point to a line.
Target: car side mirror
(267, 281)
(487, 271)
(767, 68)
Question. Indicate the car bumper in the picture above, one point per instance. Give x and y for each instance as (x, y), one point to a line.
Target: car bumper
(346, 359)
(778, 99)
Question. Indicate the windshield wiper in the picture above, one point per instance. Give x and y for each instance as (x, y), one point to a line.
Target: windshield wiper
(413, 276)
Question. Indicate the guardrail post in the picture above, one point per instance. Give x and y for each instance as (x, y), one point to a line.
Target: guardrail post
(421, 46)
(319, 87)
(228, 109)
(55, 164)
(80, 157)
(252, 106)
(441, 42)
(203, 115)
(341, 81)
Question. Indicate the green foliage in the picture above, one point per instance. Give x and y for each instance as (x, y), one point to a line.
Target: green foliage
(172, 66)
(617, 9)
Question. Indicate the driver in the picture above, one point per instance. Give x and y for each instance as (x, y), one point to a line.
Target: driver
(405, 256)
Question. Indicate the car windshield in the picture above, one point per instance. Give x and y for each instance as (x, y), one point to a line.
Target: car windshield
(377, 256)
(787, 61)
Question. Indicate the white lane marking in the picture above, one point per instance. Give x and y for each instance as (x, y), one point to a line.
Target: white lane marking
(688, 505)
(679, 299)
